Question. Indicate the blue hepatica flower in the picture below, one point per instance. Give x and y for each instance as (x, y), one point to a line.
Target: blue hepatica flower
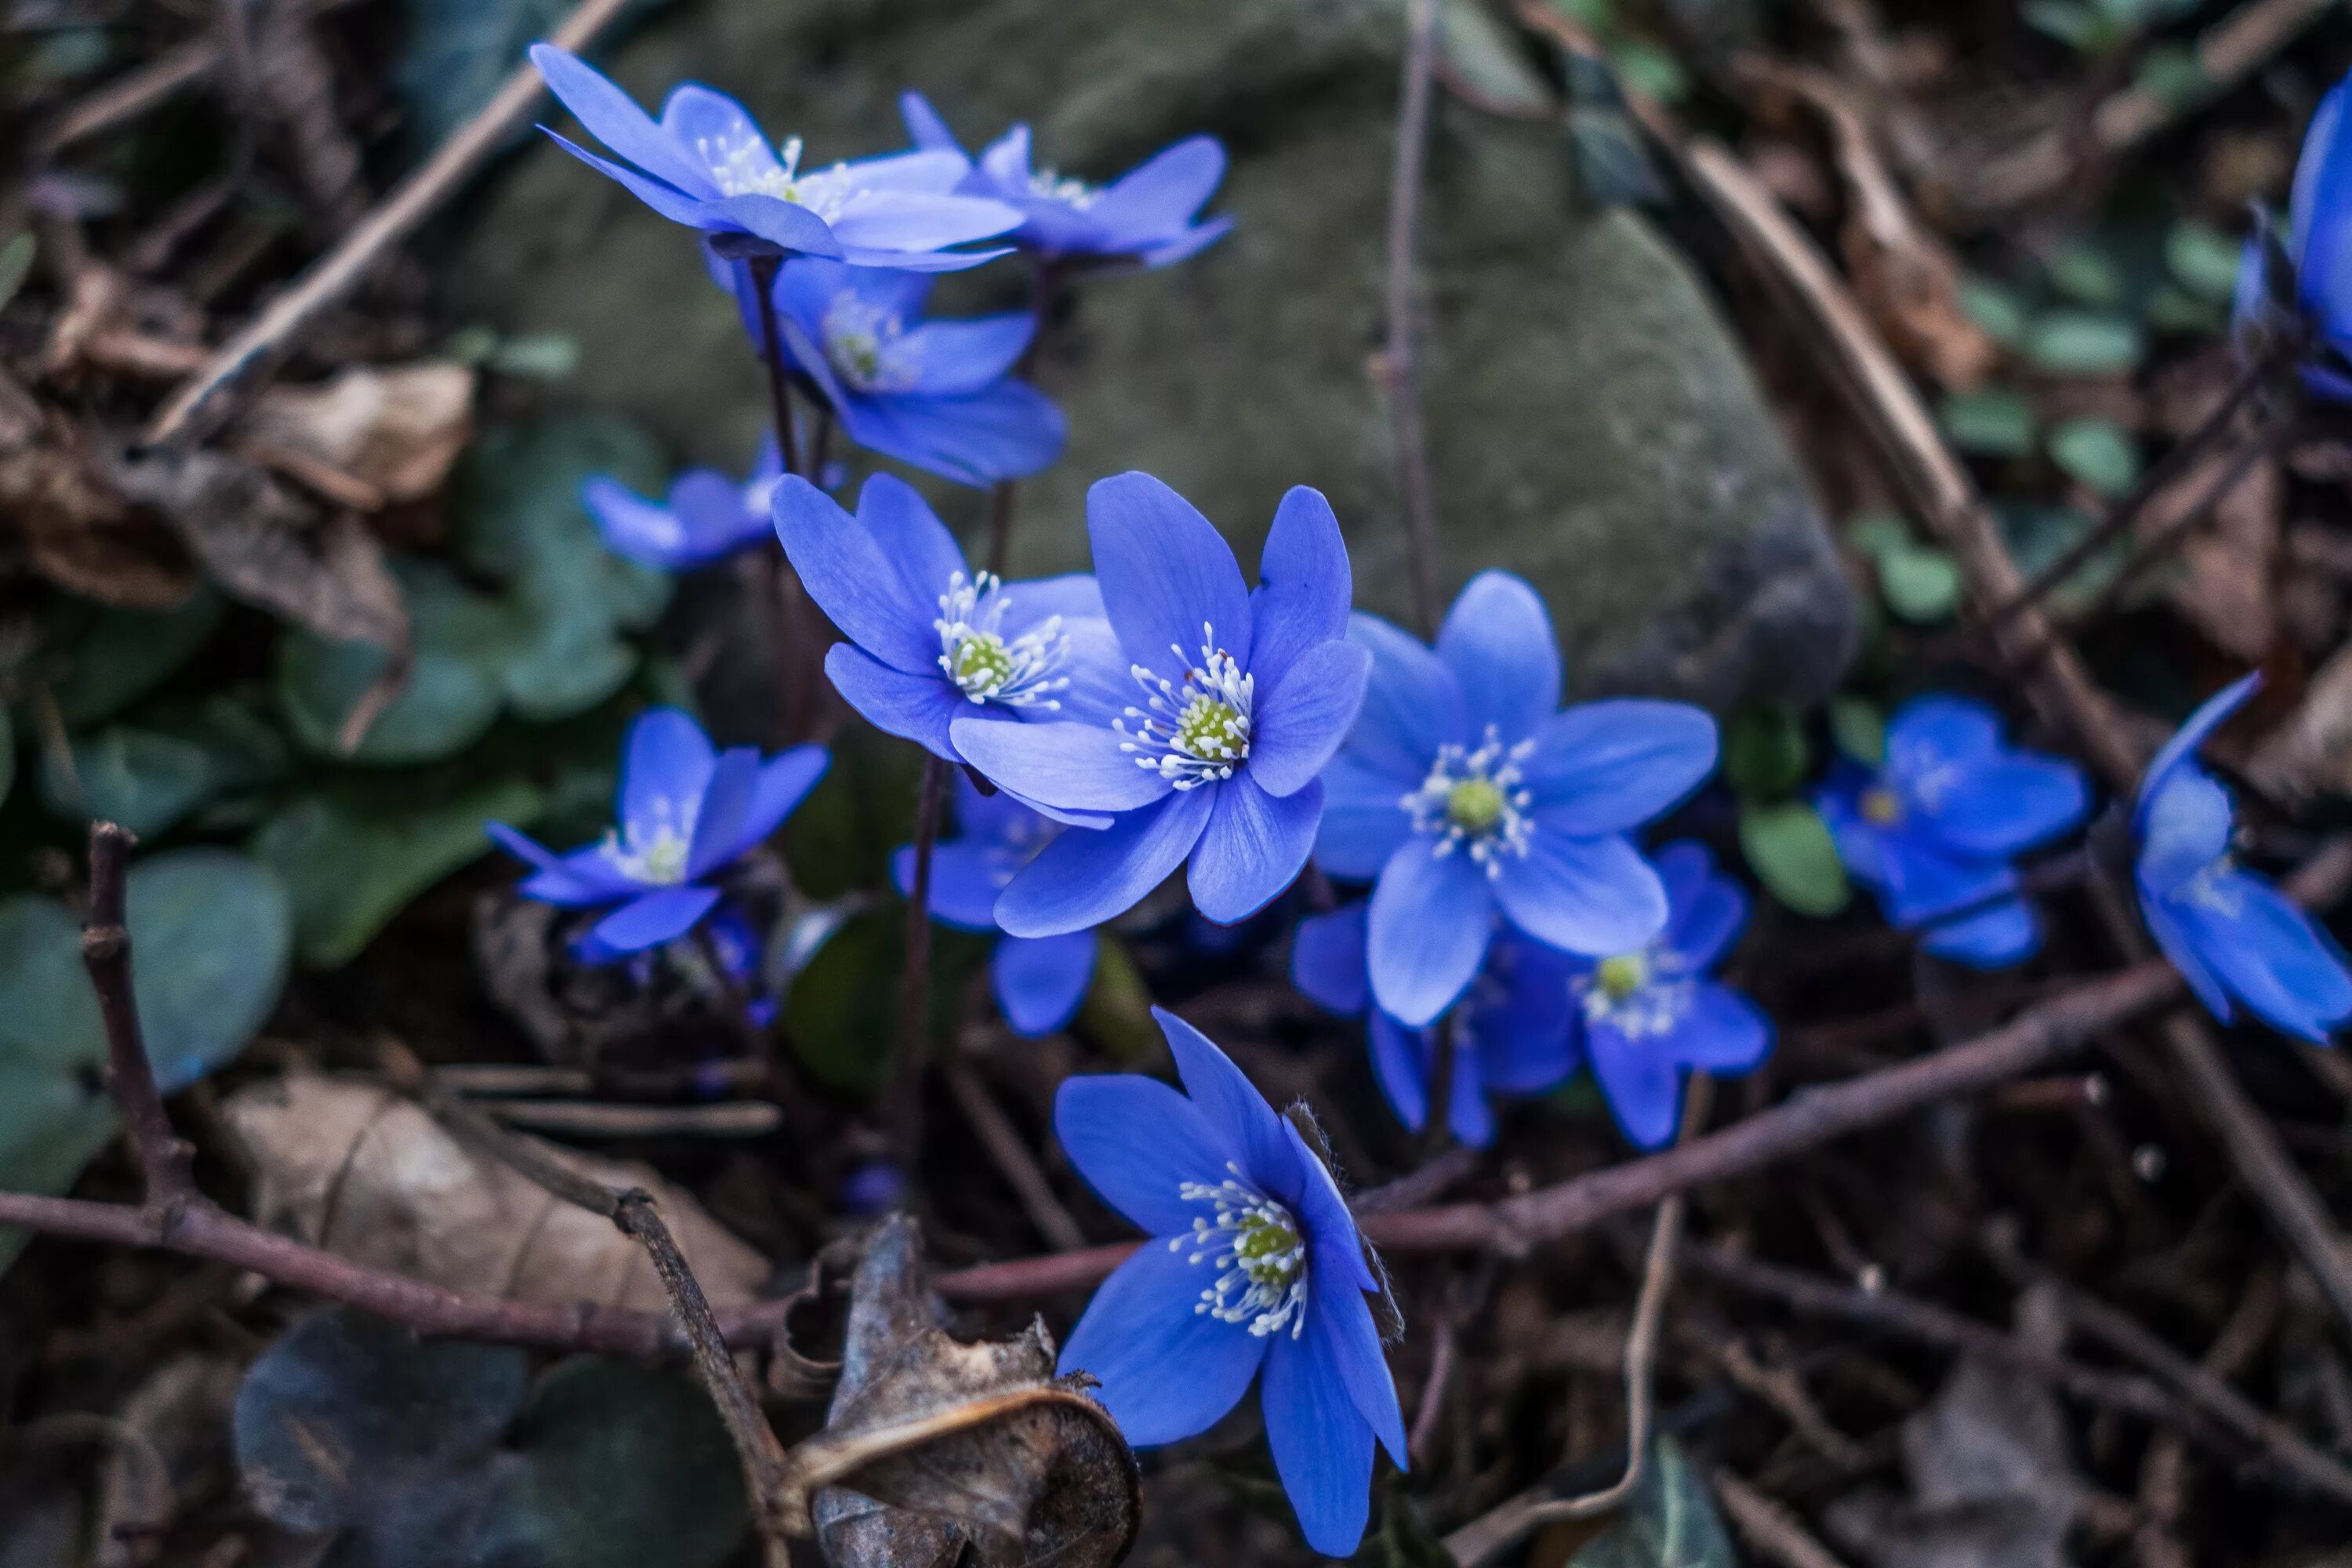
(937, 394)
(1515, 1023)
(2299, 282)
(705, 164)
(931, 640)
(2229, 931)
(1932, 829)
(1245, 698)
(1464, 793)
(1255, 1271)
(707, 515)
(1147, 214)
(1039, 981)
(1650, 1014)
(687, 813)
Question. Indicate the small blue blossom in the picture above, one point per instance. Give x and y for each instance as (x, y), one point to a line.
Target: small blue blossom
(707, 516)
(937, 394)
(1932, 829)
(2229, 931)
(1254, 1267)
(1465, 792)
(705, 164)
(1039, 981)
(687, 811)
(1243, 699)
(1651, 1014)
(731, 938)
(2298, 283)
(1147, 214)
(1516, 1025)
(931, 641)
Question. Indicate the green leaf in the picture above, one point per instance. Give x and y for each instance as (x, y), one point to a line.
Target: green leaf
(1482, 52)
(1920, 583)
(1669, 1522)
(2083, 342)
(125, 653)
(1116, 1016)
(2099, 453)
(1859, 727)
(2072, 24)
(2087, 274)
(449, 700)
(458, 51)
(2173, 75)
(142, 780)
(1874, 533)
(2038, 536)
(1997, 308)
(841, 1008)
(1790, 850)
(1995, 422)
(1764, 750)
(15, 266)
(2203, 260)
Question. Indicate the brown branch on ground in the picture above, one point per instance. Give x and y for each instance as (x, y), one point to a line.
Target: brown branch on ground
(166, 1163)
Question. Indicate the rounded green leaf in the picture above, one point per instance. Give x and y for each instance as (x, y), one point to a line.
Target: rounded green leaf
(1764, 750)
(211, 935)
(1789, 847)
(1920, 583)
(1995, 422)
(2083, 342)
(2203, 260)
(2099, 453)
(1859, 727)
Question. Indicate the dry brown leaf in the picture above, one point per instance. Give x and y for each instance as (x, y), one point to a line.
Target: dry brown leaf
(358, 1170)
(2232, 557)
(2311, 754)
(78, 532)
(393, 433)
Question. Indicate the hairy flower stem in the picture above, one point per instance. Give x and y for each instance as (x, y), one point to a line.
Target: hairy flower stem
(1437, 1131)
(906, 1110)
(795, 633)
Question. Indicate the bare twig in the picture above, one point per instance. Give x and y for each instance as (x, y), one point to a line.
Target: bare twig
(1012, 1157)
(131, 95)
(1398, 367)
(911, 1050)
(249, 356)
(1772, 1530)
(165, 1163)
(602, 1119)
(1443, 1354)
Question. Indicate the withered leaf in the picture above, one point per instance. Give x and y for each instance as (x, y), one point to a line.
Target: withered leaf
(394, 431)
(77, 531)
(931, 1444)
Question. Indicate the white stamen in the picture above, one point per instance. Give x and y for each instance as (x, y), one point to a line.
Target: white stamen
(983, 665)
(1472, 799)
(654, 852)
(1057, 188)
(867, 345)
(1259, 1253)
(1197, 732)
(1642, 993)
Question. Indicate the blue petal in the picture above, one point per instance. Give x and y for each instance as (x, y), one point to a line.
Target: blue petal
(1165, 574)
(1030, 603)
(713, 130)
(1497, 640)
(614, 118)
(1101, 688)
(1591, 895)
(2323, 208)
(1524, 1042)
(1299, 723)
(1993, 937)
(1077, 767)
(911, 537)
(1401, 1066)
(1723, 1033)
(1158, 197)
(917, 708)
(1166, 1371)
(857, 586)
(1137, 1142)
(966, 877)
(1254, 848)
(920, 171)
(1231, 1104)
(721, 829)
(897, 220)
(924, 126)
(1005, 161)
(1322, 1444)
(1327, 960)
(1007, 432)
(1641, 1084)
(1362, 822)
(632, 526)
(1337, 1263)
(2268, 953)
(2007, 803)
(1708, 912)
(2208, 717)
(1040, 981)
(673, 204)
(1413, 704)
(584, 878)
(1304, 585)
(1608, 767)
(2184, 828)
(666, 765)
(1087, 877)
(2316, 164)
(1920, 878)
(785, 780)
(654, 919)
(954, 358)
(713, 513)
(1431, 918)
(1931, 732)
(922, 262)
(1190, 243)
(2182, 949)
(1468, 1115)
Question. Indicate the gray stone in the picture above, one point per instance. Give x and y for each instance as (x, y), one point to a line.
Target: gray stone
(1591, 422)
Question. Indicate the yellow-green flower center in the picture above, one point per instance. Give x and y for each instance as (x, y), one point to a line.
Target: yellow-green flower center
(1622, 975)
(1211, 730)
(1267, 1251)
(1474, 805)
(982, 663)
(1259, 1252)
(1880, 806)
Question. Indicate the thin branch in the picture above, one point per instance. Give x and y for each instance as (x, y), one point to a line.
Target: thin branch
(1399, 367)
(166, 1163)
(1770, 1528)
(1012, 1157)
(910, 1050)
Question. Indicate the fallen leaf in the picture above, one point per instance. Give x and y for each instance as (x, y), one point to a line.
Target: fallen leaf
(395, 432)
(360, 1171)
(2229, 588)
(79, 531)
(2311, 754)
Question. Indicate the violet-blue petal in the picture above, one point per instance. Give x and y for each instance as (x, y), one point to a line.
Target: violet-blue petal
(715, 130)
(1594, 895)
(957, 357)
(1723, 1033)
(1413, 704)
(2269, 954)
(1400, 1067)
(678, 206)
(1342, 1278)
(712, 516)
(920, 171)
(911, 538)
(1138, 1141)
(1078, 767)
(1322, 1444)
(1991, 938)
(1327, 960)
(1304, 715)
(726, 816)
(785, 780)
(1233, 1104)
(1525, 1047)
(2208, 717)
(857, 586)
(1007, 431)
(1165, 570)
(654, 919)
(1086, 877)
(614, 118)
(665, 764)
(1254, 848)
(924, 126)
(913, 221)
(2178, 946)
(1610, 766)
(1040, 981)
(1468, 1114)
(963, 882)
(579, 880)
(1707, 911)
(1931, 732)
(632, 526)
(1497, 640)
(2007, 804)
(1431, 918)
(917, 708)
(1641, 1084)
(1304, 585)
(1190, 243)
(2316, 164)
(1362, 822)
(922, 262)
(2184, 828)
(1159, 195)
(1166, 1371)
(1005, 161)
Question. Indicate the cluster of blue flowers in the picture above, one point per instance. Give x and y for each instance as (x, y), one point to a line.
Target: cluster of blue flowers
(1163, 711)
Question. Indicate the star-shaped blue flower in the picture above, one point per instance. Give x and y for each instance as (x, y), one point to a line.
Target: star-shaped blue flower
(1255, 1271)
(937, 394)
(2229, 931)
(930, 641)
(705, 164)
(1243, 699)
(706, 517)
(687, 811)
(1516, 1034)
(1039, 981)
(1934, 829)
(2301, 282)
(1146, 214)
(1465, 792)
(1651, 1014)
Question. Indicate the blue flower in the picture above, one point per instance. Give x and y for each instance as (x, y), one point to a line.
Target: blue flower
(707, 514)
(1464, 791)
(1517, 1030)
(2228, 931)
(931, 640)
(1651, 1014)
(707, 165)
(1147, 214)
(1246, 698)
(687, 813)
(1932, 830)
(1039, 981)
(1255, 1268)
(2300, 282)
(937, 394)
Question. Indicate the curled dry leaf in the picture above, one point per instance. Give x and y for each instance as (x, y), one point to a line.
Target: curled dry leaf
(2311, 754)
(369, 437)
(78, 532)
(2228, 589)
(356, 1168)
(932, 1447)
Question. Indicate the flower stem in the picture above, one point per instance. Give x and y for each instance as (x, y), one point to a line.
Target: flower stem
(795, 632)
(906, 1110)
(772, 350)
(1437, 1131)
